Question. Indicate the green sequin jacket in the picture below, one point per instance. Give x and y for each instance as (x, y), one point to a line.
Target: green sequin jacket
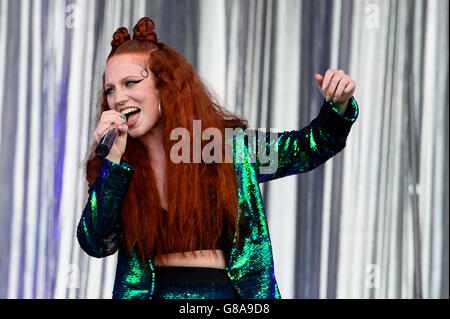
(250, 262)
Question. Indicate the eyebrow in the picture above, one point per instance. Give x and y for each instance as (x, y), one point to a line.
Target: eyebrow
(123, 80)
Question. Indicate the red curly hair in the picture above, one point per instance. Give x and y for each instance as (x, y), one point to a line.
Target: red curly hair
(202, 198)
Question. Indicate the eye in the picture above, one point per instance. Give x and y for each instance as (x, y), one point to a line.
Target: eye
(127, 84)
(132, 82)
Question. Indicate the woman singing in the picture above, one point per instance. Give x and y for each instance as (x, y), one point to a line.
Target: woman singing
(190, 228)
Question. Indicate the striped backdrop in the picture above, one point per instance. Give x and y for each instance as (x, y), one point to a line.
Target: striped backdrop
(370, 223)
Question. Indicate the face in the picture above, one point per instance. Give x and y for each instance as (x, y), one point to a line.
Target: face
(128, 90)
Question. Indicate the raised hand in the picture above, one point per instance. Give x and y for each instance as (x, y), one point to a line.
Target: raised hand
(336, 86)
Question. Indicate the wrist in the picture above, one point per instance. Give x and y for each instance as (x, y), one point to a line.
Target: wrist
(341, 107)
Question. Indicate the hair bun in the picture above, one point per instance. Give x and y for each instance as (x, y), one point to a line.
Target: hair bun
(120, 36)
(143, 30)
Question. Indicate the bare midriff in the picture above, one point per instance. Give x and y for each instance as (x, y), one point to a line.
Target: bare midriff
(197, 258)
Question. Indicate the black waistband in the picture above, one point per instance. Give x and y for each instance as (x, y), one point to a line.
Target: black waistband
(174, 274)
(192, 283)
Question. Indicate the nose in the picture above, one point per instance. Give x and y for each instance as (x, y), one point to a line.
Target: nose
(121, 98)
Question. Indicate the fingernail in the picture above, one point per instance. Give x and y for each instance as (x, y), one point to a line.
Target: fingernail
(327, 99)
(324, 86)
(122, 127)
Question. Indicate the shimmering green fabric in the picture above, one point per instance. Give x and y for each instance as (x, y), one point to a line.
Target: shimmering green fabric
(250, 263)
(99, 228)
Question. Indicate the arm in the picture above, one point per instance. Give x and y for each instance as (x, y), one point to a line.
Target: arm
(98, 231)
(305, 149)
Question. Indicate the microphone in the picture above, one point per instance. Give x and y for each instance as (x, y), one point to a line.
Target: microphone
(106, 142)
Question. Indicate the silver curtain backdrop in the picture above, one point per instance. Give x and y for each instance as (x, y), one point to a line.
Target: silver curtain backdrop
(370, 223)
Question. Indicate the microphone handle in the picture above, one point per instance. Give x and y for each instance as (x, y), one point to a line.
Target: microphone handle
(106, 142)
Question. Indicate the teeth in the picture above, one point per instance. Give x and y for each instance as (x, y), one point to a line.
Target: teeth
(130, 110)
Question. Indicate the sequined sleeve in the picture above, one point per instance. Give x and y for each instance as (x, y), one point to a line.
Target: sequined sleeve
(303, 150)
(98, 231)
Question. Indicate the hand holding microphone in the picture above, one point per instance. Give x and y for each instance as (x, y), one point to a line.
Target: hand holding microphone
(111, 136)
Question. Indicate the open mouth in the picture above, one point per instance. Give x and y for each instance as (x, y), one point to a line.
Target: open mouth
(131, 110)
(131, 114)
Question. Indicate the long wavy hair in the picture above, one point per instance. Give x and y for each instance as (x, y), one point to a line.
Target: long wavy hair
(202, 197)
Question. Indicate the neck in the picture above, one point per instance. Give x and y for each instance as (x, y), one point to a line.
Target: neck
(153, 143)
